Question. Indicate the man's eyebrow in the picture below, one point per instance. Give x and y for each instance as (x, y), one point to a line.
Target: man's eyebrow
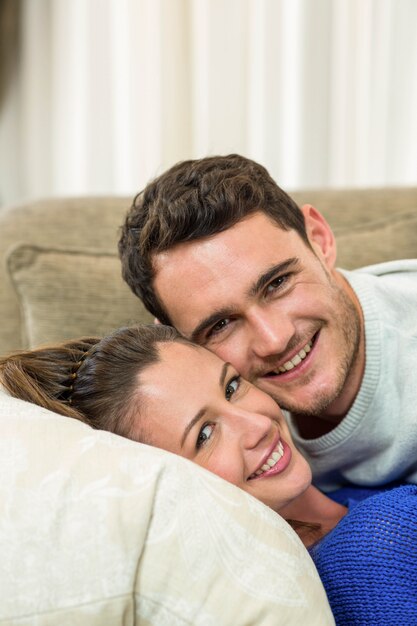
(197, 417)
(209, 321)
(270, 273)
(254, 289)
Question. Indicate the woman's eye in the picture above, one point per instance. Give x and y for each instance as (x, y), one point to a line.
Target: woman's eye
(204, 435)
(232, 387)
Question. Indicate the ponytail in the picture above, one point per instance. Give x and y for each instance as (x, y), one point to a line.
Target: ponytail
(45, 376)
(90, 379)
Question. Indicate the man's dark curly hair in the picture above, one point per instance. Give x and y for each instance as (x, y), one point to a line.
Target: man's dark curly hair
(193, 200)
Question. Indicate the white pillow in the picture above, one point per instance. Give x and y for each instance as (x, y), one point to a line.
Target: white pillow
(99, 530)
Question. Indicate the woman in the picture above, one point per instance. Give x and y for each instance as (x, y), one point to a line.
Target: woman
(151, 385)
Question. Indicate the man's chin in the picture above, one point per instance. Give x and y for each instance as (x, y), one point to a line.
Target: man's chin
(311, 404)
(309, 410)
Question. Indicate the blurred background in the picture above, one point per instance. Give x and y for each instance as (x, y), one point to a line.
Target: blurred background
(100, 96)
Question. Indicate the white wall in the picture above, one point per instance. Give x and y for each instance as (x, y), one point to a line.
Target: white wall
(112, 92)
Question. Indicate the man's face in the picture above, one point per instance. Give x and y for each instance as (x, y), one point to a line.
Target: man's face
(263, 300)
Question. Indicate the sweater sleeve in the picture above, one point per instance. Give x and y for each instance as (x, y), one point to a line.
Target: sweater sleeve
(368, 563)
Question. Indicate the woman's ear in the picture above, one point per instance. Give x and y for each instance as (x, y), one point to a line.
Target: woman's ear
(320, 235)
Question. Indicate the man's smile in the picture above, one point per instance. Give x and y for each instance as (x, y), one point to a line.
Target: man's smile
(291, 366)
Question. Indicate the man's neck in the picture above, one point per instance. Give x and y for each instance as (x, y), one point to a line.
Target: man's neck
(312, 427)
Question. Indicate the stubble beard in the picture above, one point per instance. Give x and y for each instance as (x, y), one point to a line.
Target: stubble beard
(349, 324)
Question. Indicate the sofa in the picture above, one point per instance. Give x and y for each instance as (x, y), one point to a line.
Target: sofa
(97, 530)
(60, 274)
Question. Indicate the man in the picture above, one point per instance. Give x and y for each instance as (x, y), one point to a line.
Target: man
(215, 248)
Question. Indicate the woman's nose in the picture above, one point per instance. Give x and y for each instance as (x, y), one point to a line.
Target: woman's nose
(249, 427)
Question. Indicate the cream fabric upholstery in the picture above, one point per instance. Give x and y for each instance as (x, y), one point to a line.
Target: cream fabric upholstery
(97, 530)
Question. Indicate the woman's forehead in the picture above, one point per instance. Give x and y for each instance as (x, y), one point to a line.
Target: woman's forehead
(184, 354)
(183, 382)
(180, 367)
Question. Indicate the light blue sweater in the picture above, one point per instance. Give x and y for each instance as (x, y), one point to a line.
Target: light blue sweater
(376, 442)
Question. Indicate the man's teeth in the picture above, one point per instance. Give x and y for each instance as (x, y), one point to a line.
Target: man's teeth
(273, 460)
(300, 356)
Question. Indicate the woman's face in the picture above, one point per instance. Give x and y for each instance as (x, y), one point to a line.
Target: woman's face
(197, 406)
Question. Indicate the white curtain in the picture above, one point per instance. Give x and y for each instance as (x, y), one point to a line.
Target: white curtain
(109, 93)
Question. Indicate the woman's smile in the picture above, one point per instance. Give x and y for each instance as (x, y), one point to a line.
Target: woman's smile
(275, 462)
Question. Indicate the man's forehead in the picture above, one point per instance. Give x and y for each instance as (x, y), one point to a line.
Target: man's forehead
(193, 287)
(205, 279)
(236, 240)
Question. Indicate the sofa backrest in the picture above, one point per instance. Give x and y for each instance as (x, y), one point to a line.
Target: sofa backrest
(60, 275)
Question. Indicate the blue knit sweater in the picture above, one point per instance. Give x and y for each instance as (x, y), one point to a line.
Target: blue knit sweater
(368, 562)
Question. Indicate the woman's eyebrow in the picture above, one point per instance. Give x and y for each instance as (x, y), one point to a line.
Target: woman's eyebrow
(197, 417)
(223, 373)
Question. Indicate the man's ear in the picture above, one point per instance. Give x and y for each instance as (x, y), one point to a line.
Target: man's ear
(320, 235)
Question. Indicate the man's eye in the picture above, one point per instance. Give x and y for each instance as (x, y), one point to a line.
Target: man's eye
(204, 435)
(219, 326)
(276, 283)
(232, 387)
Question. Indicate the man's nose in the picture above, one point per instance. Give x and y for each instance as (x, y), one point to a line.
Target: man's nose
(270, 334)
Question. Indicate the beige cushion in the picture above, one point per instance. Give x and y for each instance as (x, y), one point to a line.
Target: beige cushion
(393, 238)
(370, 225)
(70, 293)
(96, 530)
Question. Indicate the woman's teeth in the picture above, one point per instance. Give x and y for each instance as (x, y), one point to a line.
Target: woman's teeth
(277, 454)
(300, 356)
